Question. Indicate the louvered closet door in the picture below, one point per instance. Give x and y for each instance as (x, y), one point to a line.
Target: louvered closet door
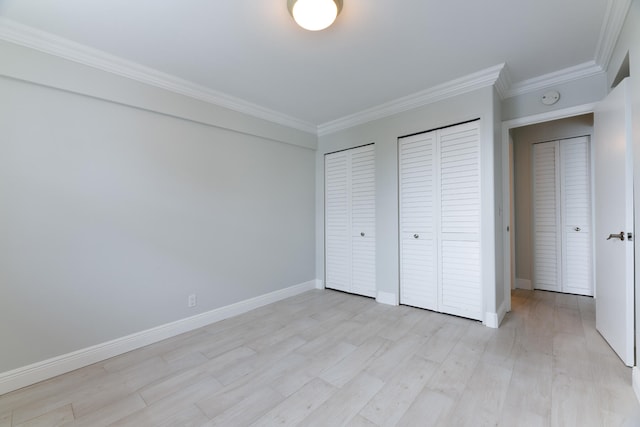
(350, 221)
(363, 221)
(418, 269)
(575, 189)
(546, 217)
(440, 213)
(459, 184)
(337, 223)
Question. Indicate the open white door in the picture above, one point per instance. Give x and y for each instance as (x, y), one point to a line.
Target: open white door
(613, 161)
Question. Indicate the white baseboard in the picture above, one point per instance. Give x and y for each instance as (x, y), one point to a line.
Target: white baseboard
(319, 284)
(635, 381)
(493, 320)
(524, 284)
(40, 371)
(387, 298)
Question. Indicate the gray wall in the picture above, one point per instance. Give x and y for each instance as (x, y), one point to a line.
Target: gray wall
(523, 138)
(583, 91)
(629, 43)
(384, 133)
(112, 215)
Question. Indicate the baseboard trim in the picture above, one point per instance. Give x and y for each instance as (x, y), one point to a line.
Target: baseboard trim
(635, 381)
(319, 284)
(524, 284)
(387, 298)
(493, 320)
(40, 371)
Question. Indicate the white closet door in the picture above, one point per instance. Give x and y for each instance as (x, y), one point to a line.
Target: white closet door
(363, 221)
(337, 222)
(418, 268)
(562, 216)
(440, 214)
(350, 221)
(546, 217)
(461, 281)
(575, 189)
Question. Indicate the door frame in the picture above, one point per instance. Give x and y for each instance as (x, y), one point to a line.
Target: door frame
(507, 177)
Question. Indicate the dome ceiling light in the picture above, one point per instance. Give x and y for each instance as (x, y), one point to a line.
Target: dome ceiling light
(314, 15)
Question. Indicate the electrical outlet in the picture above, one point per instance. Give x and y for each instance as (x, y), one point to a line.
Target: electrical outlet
(192, 301)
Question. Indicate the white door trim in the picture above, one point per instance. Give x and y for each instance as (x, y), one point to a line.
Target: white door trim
(507, 125)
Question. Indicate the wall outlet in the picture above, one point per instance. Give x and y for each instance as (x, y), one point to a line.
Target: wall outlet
(192, 301)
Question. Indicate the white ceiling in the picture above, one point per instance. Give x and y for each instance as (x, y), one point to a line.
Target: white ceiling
(377, 51)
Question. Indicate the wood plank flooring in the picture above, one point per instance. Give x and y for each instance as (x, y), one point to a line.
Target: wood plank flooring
(325, 358)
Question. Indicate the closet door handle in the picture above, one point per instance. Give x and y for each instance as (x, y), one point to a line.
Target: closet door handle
(415, 236)
(362, 234)
(577, 229)
(616, 236)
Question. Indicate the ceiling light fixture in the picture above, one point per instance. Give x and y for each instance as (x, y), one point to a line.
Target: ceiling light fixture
(314, 15)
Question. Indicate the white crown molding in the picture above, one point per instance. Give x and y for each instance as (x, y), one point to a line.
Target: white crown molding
(498, 75)
(480, 79)
(42, 41)
(586, 69)
(611, 26)
(503, 83)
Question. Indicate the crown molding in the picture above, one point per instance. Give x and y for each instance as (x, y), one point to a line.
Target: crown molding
(503, 83)
(611, 27)
(469, 83)
(586, 69)
(42, 41)
(498, 75)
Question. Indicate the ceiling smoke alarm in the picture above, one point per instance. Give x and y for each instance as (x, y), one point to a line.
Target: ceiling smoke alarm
(551, 97)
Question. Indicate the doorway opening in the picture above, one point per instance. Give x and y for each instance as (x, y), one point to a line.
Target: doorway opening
(546, 120)
(552, 190)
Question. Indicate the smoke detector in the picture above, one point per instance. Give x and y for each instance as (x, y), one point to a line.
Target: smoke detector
(551, 97)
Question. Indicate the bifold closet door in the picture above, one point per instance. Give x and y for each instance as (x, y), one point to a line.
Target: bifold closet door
(562, 216)
(418, 251)
(363, 221)
(576, 210)
(459, 181)
(337, 223)
(546, 217)
(439, 177)
(350, 221)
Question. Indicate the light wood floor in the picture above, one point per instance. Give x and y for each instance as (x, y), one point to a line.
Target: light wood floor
(325, 358)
